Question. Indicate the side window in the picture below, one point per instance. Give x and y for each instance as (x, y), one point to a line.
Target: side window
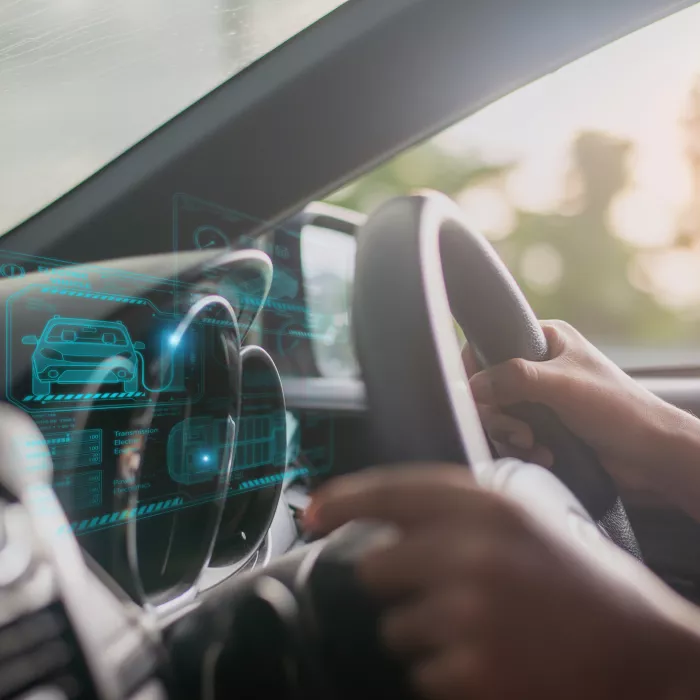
(588, 184)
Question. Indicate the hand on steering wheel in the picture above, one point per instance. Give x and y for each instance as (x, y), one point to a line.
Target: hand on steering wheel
(482, 603)
(406, 345)
(637, 437)
(624, 423)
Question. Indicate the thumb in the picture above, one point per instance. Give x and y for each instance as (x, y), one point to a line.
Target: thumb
(516, 381)
(471, 364)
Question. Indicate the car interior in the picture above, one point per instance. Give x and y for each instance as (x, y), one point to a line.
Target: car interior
(208, 327)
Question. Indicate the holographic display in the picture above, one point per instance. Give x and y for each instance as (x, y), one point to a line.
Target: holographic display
(84, 489)
(201, 224)
(260, 442)
(87, 350)
(86, 346)
(197, 448)
(75, 448)
(73, 350)
(79, 360)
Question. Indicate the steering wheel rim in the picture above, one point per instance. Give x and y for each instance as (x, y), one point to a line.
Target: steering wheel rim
(417, 389)
(422, 410)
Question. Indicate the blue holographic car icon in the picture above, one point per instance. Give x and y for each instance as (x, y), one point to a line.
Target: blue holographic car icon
(83, 351)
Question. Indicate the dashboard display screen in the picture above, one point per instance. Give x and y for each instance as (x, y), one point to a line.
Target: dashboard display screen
(133, 382)
(168, 437)
(80, 360)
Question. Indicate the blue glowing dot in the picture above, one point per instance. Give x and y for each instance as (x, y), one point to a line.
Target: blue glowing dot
(205, 458)
(174, 340)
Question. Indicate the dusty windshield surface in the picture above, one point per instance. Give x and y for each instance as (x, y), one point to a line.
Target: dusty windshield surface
(82, 80)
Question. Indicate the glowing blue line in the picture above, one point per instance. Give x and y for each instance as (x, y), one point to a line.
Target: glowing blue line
(143, 375)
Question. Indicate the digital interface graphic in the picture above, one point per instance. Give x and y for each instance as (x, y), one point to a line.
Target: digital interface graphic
(78, 360)
(72, 350)
(207, 225)
(197, 448)
(86, 348)
(75, 448)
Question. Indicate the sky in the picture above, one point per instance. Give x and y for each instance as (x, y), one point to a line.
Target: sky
(636, 89)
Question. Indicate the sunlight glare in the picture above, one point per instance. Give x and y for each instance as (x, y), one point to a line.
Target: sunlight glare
(636, 89)
(644, 219)
(674, 277)
(488, 210)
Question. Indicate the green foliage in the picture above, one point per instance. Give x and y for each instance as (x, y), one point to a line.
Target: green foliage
(426, 166)
(594, 291)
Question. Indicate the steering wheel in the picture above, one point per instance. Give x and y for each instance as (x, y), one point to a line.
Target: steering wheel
(418, 265)
(303, 627)
(410, 358)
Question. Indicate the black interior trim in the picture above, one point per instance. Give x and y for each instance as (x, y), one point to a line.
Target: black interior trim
(349, 394)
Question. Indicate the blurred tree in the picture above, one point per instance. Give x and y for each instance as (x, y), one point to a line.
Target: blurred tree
(426, 166)
(688, 234)
(570, 265)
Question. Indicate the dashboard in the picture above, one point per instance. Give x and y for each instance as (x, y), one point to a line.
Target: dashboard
(148, 442)
(151, 450)
(168, 436)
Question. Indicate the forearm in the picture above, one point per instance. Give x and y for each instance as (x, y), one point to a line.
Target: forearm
(679, 660)
(665, 633)
(676, 474)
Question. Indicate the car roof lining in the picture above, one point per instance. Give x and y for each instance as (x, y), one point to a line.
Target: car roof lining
(362, 84)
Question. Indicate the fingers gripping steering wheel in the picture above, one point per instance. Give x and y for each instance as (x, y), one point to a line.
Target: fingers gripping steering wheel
(418, 265)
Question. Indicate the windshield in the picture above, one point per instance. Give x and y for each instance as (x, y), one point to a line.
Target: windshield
(587, 181)
(83, 333)
(83, 80)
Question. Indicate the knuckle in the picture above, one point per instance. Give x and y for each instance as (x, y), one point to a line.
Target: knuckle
(561, 330)
(561, 336)
(522, 372)
(486, 413)
(561, 326)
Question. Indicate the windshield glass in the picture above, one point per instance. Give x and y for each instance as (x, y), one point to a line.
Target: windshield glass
(587, 182)
(83, 333)
(83, 80)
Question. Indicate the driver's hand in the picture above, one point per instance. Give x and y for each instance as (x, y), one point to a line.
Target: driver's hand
(484, 604)
(629, 428)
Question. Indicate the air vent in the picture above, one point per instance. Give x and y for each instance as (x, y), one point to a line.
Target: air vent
(40, 652)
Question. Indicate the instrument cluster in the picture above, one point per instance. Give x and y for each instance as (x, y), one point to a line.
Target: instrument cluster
(167, 436)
